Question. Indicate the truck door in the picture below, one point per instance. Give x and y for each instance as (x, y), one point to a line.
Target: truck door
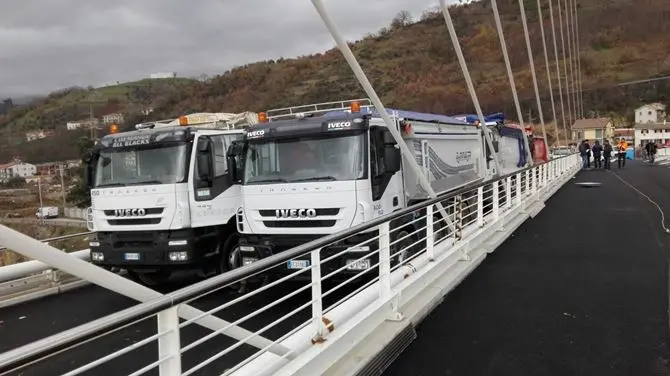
(215, 194)
(385, 173)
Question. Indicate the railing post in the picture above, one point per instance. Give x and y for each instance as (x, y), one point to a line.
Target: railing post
(317, 298)
(385, 271)
(508, 193)
(527, 174)
(554, 171)
(458, 210)
(547, 174)
(430, 234)
(496, 200)
(384, 260)
(519, 184)
(169, 344)
(480, 206)
(535, 172)
(458, 236)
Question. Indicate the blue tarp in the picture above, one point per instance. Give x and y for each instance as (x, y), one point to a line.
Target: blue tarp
(519, 135)
(497, 117)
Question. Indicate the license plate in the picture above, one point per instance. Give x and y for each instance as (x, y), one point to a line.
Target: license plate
(132, 256)
(358, 265)
(298, 264)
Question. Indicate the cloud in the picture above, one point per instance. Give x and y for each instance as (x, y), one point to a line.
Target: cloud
(47, 44)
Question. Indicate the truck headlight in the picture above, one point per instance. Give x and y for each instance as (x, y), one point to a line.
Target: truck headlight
(178, 256)
(97, 256)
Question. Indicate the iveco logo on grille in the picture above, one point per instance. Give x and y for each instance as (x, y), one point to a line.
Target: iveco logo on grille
(295, 213)
(130, 212)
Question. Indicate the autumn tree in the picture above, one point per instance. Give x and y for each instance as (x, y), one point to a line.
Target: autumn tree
(402, 19)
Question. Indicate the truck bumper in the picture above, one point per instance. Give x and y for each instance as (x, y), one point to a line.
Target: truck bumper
(178, 249)
(256, 247)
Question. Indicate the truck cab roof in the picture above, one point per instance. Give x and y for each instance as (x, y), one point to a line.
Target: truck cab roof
(309, 125)
(145, 136)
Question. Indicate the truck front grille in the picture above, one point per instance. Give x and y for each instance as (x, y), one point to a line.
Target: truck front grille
(300, 224)
(270, 219)
(134, 220)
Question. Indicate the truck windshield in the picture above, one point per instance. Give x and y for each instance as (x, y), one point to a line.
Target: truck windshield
(313, 158)
(155, 164)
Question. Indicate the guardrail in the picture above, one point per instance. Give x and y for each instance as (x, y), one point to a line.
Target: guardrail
(25, 281)
(346, 305)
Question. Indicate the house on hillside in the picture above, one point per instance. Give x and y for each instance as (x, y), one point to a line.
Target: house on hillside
(87, 123)
(38, 135)
(658, 132)
(53, 168)
(113, 118)
(650, 113)
(593, 129)
(626, 133)
(73, 125)
(16, 168)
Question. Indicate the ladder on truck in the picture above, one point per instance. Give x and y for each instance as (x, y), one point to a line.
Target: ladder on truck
(207, 120)
(364, 105)
(316, 109)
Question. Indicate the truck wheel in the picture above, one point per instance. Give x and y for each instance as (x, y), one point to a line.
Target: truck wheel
(151, 279)
(405, 246)
(230, 258)
(229, 252)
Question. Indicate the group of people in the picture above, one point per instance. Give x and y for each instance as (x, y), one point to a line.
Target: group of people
(651, 149)
(598, 150)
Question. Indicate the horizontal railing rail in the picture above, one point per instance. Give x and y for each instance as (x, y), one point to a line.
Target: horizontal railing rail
(28, 280)
(57, 238)
(347, 277)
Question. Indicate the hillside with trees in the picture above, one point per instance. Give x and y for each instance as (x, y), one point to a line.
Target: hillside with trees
(412, 65)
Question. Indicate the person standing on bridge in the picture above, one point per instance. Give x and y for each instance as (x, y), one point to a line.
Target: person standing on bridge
(585, 151)
(607, 154)
(621, 148)
(650, 147)
(597, 150)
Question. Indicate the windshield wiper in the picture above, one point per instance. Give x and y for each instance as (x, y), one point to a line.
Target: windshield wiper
(270, 180)
(315, 178)
(110, 185)
(146, 182)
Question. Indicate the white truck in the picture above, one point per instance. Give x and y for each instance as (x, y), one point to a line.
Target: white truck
(163, 198)
(305, 176)
(47, 212)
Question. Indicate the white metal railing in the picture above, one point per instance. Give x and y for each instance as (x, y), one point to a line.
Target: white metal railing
(34, 279)
(343, 298)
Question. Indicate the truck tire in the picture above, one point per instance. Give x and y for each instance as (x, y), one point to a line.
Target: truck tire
(229, 254)
(407, 245)
(230, 258)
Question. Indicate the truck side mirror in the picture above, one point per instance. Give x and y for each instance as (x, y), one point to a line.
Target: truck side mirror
(235, 169)
(392, 159)
(88, 170)
(204, 159)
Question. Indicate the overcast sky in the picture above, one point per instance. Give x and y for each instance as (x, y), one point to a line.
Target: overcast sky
(51, 44)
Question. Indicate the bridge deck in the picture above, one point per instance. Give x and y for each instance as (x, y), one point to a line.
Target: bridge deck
(580, 290)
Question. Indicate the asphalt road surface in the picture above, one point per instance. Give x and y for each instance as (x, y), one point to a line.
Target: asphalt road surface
(582, 289)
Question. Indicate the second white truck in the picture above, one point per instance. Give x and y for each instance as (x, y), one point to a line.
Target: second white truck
(314, 170)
